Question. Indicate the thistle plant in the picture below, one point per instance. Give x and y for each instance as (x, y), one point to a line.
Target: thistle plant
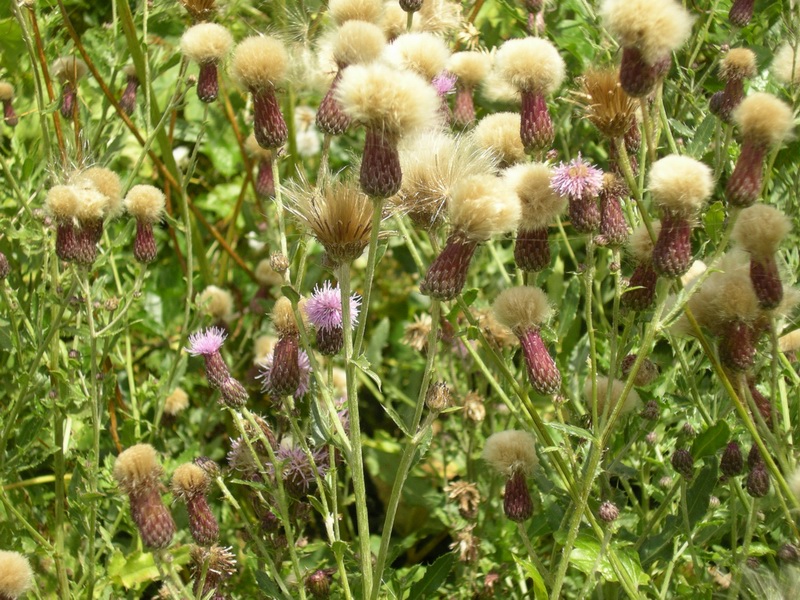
(207, 44)
(7, 98)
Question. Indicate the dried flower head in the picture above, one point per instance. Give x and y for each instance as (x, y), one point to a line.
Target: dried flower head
(541, 205)
(760, 229)
(259, 62)
(680, 184)
(466, 495)
(631, 403)
(497, 334)
(395, 102)
(199, 10)
(425, 54)
(216, 303)
(790, 342)
(189, 481)
(499, 133)
(206, 42)
(522, 308)
(283, 317)
(512, 451)
(62, 201)
(417, 332)
(531, 64)
(607, 105)
(764, 119)
(441, 17)
(786, 65)
(338, 214)
(107, 183)
(355, 10)
(482, 206)
(266, 275)
(640, 244)
(655, 28)
(176, 402)
(145, 202)
(470, 67)
(357, 43)
(68, 69)
(16, 575)
(738, 63)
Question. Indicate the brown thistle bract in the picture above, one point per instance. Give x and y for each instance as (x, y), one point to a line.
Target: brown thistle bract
(200, 10)
(338, 214)
(607, 105)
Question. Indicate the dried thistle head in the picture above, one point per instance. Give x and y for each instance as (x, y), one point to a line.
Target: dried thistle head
(482, 206)
(470, 67)
(540, 203)
(432, 164)
(107, 183)
(738, 63)
(137, 468)
(146, 203)
(62, 202)
(441, 17)
(764, 119)
(6, 91)
(357, 42)
(16, 575)
(338, 214)
(176, 402)
(531, 65)
(786, 65)
(497, 334)
(510, 452)
(499, 133)
(259, 62)
(607, 105)
(283, 317)
(680, 184)
(425, 54)
(216, 303)
(417, 332)
(68, 69)
(200, 10)
(206, 43)
(760, 229)
(189, 481)
(342, 11)
(522, 308)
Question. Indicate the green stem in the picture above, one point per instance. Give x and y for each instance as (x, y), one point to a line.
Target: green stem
(372, 254)
(688, 527)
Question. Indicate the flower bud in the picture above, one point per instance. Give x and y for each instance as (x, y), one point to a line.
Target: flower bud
(683, 463)
(438, 397)
(758, 482)
(732, 462)
(608, 512)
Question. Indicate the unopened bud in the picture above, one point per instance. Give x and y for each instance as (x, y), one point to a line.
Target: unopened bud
(278, 262)
(608, 512)
(438, 397)
(758, 482)
(683, 463)
(732, 462)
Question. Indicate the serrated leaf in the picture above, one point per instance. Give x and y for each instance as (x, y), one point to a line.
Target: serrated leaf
(364, 366)
(702, 136)
(711, 440)
(699, 494)
(398, 420)
(266, 585)
(434, 577)
(573, 431)
(539, 589)
(586, 557)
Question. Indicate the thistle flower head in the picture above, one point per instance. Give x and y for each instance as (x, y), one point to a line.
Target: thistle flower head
(531, 64)
(522, 308)
(640, 244)
(654, 27)
(338, 214)
(441, 17)
(444, 83)
(303, 364)
(432, 164)
(146, 203)
(738, 63)
(206, 342)
(358, 42)
(176, 402)
(355, 10)
(394, 19)
(63, 202)
(397, 103)
(266, 275)
(283, 317)
(470, 67)
(206, 43)
(510, 452)
(107, 183)
(137, 467)
(577, 179)
(764, 119)
(482, 206)
(324, 308)
(760, 229)
(189, 481)
(68, 69)
(425, 54)
(680, 184)
(790, 342)
(6, 91)
(92, 204)
(16, 575)
(256, 151)
(786, 65)
(729, 293)
(499, 134)
(632, 401)
(607, 105)
(540, 203)
(259, 62)
(216, 303)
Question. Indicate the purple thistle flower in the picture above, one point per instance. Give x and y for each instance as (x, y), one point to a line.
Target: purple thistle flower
(577, 179)
(444, 83)
(204, 343)
(324, 308)
(305, 373)
(297, 472)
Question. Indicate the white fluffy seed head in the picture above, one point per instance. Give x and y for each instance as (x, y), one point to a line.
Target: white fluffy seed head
(738, 63)
(259, 62)
(107, 183)
(640, 244)
(145, 203)
(263, 345)
(68, 68)
(727, 294)
(760, 229)
(498, 90)
(470, 67)
(216, 303)
(790, 342)
(189, 481)
(176, 402)
(62, 201)
(394, 19)
(441, 17)
(654, 27)
(357, 43)
(499, 133)
(16, 575)
(522, 308)
(137, 467)
(531, 64)
(256, 151)
(266, 275)
(482, 206)
(631, 401)
(397, 102)
(764, 118)
(6, 91)
(786, 65)
(93, 205)
(540, 203)
(283, 317)
(680, 184)
(355, 10)
(425, 54)
(206, 43)
(512, 451)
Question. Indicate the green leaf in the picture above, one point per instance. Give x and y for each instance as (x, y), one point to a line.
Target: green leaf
(539, 589)
(290, 293)
(266, 585)
(138, 568)
(378, 338)
(586, 558)
(364, 365)
(568, 307)
(699, 495)
(470, 296)
(398, 420)
(434, 577)
(702, 136)
(578, 432)
(711, 440)
(714, 221)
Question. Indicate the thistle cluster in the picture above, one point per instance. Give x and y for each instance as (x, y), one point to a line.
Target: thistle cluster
(207, 344)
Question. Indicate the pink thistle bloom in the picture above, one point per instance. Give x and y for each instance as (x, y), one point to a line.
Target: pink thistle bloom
(324, 308)
(305, 373)
(205, 343)
(444, 83)
(577, 179)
